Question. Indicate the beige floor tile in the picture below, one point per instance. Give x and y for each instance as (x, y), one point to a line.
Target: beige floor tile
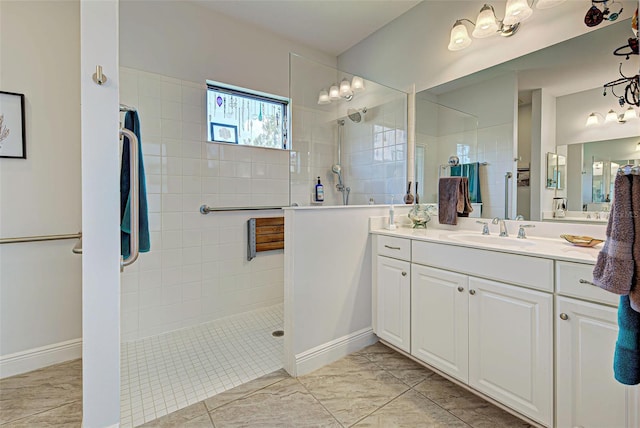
(353, 387)
(245, 389)
(67, 416)
(40, 390)
(411, 410)
(401, 367)
(467, 406)
(284, 404)
(182, 417)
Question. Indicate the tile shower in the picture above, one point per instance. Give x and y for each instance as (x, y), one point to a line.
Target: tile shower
(196, 316)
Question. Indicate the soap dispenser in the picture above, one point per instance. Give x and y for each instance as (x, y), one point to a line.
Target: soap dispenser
(319, 194)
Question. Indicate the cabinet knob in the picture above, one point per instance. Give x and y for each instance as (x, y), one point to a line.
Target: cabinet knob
(472, 292)
(404, 274)
(564, 316)
(460, 289)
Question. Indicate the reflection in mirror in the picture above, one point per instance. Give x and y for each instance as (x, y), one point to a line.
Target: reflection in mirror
(556, 166)
(591, 171)
(524, 109)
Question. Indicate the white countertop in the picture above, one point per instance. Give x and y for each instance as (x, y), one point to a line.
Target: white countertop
(550, 248)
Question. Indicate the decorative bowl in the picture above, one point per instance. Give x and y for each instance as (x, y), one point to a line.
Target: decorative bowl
(582, 241)
(419, 216)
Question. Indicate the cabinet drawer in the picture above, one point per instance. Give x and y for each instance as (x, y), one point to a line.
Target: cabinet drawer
(575, 280)
(527, 271)
(397, 248)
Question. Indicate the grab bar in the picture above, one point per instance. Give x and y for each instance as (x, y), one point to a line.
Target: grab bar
(77, 249)
(206, 210)
(39, 238)
(507, 176)
(134, 194)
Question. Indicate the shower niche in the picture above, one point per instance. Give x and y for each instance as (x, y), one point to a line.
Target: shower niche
(354, 138)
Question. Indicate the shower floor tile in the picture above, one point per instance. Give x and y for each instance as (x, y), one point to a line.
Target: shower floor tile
(164, 373)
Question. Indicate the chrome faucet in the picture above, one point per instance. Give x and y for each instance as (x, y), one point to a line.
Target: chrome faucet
(521, 233)
(503, 226)
(485, 227)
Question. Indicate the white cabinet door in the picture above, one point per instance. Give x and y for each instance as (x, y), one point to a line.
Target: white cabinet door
(511, 346)
(394, 293)
(440, 320)
(587, 393)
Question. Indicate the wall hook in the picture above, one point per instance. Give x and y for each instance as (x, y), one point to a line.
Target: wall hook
(98, 76)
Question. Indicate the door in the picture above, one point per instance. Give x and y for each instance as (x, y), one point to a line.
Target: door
(511, 346)
(439, 320)
(587, 393)
(394, 288)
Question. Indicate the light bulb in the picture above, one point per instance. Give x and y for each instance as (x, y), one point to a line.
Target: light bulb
(516, 11)
(323, 97)
(611, 116)
(334, 93)
(630, 113)
(345, 88)
(592, 119)
(357, 84)
(459, 37)
(486, 24)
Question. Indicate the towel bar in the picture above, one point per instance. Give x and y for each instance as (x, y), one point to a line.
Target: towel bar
(206, 210)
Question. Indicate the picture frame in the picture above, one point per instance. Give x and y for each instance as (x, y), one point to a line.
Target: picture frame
(223, 133)
(13, 142)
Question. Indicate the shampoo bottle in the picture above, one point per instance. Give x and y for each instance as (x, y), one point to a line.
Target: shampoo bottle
(319, 191)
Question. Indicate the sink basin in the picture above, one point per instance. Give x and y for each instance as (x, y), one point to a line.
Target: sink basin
(477, 238)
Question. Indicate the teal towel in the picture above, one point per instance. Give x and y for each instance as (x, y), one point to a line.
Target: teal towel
(626, 360)
(132, 123)
(472, 172)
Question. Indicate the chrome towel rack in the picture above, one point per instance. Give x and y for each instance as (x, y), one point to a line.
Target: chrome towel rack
(40, 238)
(134, 195)
(204, 210)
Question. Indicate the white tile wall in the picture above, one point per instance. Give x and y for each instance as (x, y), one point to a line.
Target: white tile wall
(196, 270)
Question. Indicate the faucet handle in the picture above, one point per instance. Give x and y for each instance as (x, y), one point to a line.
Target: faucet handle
(495, 220)
(485, 227)
(521, 232)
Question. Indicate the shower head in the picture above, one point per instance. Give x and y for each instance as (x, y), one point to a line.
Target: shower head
(356, 115)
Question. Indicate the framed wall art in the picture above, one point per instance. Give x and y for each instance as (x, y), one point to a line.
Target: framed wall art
(12, 128)
(222, 133)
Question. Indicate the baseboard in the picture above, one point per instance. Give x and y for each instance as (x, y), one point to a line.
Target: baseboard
(329, 352)
(33, 359)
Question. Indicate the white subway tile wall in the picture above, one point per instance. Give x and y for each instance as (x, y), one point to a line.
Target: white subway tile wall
(197, 269)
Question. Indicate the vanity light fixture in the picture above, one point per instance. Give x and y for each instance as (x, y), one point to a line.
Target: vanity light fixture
(487, 23)
(612, 116)
(344, 91)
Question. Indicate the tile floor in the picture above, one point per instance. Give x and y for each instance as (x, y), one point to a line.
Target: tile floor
(375, 387)
(162, 374)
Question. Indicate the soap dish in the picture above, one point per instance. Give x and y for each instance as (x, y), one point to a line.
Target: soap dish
(582, 241)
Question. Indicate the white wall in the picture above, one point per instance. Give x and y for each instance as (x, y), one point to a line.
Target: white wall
(40, 283)
(327, 284)
(543, 141)
(191, 42)
(524, 155)
(572, 113)
(413, 48)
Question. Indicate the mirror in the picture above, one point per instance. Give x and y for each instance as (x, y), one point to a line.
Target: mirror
(523, 110)
(556, 166)
(591, 171)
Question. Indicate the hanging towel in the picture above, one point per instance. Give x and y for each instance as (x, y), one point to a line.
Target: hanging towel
(614, 269)
(626, 359)
(453, 199)
(634, 292)
(132, 123)
(472, 172)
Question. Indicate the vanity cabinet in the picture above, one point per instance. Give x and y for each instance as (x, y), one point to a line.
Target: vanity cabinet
(393, 277)
(587, 394)
(495, 337)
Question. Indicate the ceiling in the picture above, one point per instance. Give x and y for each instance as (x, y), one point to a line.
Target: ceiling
(331, 26)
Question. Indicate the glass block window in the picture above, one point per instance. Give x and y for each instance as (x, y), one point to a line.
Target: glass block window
(244, 117)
